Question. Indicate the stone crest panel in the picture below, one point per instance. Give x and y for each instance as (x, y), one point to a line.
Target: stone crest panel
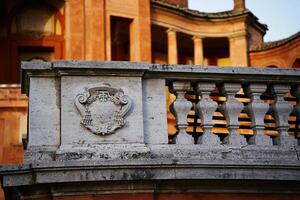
(103, 108)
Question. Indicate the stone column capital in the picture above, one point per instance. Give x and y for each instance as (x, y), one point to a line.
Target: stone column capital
(197, 37)
(236, 35)
(171, 31)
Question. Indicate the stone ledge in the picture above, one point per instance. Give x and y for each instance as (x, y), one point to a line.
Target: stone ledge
(169, 162)
(86, 172)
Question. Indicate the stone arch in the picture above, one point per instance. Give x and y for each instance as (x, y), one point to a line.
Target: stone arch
(273, 63)
(40, 10)
(34, 29)
(272, 66)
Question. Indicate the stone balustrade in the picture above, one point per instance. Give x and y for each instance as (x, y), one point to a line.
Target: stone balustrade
(67, 92)
(100, 121)
(257, 109)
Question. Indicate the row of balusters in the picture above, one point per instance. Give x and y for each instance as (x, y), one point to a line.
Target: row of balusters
(256, 109)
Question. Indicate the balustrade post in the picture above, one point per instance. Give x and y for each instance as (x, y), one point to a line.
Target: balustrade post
(180, 108)
(205, 108)
(231, 109)
(281, 110)
(257, 110)
(295, 91)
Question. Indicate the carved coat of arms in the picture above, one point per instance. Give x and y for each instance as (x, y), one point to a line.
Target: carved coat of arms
(103, 108)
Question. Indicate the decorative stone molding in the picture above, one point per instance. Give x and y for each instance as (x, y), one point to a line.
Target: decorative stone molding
(231, 109)
(257, 110)
(205, 108)
(103, 108)
(180, 108)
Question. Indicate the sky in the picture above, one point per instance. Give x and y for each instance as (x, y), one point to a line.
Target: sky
(281, 16)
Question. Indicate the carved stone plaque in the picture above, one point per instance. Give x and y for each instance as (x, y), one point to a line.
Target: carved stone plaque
(103, 108)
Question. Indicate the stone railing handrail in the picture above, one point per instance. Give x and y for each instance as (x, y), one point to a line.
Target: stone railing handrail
(189, 72)
(202, 80)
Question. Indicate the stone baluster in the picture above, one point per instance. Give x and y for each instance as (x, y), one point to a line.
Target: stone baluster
(281, 110)
(205, 108)
(257, 110)
(295, 91)
(180, 108)
(231, 109)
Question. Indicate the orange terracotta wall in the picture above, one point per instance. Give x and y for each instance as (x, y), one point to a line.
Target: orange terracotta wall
(13, 123)
(13, 120)
(84, 30)
(283, 56)
(140, 30)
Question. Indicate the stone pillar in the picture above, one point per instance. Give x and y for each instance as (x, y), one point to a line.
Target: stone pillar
(239, 50)
(239, 5)
(144, 30)
(94, 12)
(198, 50)
(172, 47)
(74, 30)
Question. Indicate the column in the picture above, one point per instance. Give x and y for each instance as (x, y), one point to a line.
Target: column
(198, 50)
(239, 50)
(74, 30)
(172, 47)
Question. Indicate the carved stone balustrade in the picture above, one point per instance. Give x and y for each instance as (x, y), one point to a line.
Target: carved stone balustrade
(103, 125)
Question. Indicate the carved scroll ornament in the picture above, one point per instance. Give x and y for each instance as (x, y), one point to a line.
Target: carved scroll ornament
(103, 108)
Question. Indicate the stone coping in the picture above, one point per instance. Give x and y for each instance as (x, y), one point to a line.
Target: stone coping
(78, 64)
(58, 67)
(86, 171)
(145, 70)
(165, 162)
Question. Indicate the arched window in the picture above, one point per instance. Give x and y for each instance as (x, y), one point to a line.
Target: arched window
(34, 31)
(272, 66)
(36, 19)
(296, 63)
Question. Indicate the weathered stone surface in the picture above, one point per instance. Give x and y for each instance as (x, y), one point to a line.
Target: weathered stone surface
(103, 108)
(162, 162)
(154, 102)
(44, 113)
